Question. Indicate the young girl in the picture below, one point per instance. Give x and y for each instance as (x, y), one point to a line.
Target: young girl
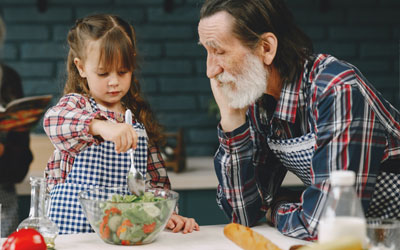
(87, 125)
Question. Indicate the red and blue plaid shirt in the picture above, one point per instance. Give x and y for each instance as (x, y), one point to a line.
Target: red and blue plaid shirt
(67, 125)
(355, 129)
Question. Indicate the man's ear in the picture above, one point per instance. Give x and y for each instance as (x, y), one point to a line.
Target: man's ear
(79, 66)
(268, 46)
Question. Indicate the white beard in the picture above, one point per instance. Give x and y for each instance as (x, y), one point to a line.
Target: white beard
(245, 88)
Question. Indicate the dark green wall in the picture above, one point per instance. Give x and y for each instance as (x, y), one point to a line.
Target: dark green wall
(364, 32)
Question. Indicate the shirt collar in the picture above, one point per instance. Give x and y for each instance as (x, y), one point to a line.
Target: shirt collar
(293, 95)
(294, 92)
(119, 117)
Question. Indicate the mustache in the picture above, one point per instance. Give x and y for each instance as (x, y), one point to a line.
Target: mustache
(225, 77)
(245, 87)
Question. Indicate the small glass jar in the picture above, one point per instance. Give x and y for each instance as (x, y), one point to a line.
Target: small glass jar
(38, 213)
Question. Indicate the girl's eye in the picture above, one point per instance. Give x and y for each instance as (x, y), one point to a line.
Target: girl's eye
(123, 72)
(102, 74)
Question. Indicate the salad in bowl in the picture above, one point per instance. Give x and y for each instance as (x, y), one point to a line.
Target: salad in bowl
(121, 218)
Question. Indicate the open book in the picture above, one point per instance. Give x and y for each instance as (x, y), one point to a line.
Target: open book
(23, 113)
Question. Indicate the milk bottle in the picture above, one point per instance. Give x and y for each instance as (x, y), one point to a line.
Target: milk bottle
(343, 215)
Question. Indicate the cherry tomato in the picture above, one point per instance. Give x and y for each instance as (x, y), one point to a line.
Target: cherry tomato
(148, 228)
(27, 238)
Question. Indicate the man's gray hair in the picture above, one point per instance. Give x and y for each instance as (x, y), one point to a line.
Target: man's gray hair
(253, 18)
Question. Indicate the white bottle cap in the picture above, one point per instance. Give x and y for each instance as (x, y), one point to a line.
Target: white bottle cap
(342, 178)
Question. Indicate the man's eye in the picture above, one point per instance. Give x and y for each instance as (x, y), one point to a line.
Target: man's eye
(219, 52)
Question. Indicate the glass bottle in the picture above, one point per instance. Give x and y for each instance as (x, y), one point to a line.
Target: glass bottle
(343, 214)
(38, 213)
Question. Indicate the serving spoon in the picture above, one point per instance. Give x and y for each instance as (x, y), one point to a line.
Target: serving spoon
(135, 179)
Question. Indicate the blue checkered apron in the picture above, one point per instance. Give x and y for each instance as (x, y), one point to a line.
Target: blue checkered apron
(97, 166)
(385, 202)
(295, 154)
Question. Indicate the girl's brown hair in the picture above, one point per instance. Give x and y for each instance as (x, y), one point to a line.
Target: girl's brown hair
(118, 42)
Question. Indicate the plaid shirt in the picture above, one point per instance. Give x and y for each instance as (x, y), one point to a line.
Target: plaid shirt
(67, 126)
(355, 128)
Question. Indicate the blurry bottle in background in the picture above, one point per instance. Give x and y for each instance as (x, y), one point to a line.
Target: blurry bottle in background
(343, 215)
(38, 213)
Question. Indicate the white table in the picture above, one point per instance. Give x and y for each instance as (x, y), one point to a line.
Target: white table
(208, 238)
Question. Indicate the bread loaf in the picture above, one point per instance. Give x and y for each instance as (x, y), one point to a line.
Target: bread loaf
(247, 238)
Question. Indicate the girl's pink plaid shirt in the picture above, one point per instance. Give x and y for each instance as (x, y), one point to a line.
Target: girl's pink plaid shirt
(67, 126)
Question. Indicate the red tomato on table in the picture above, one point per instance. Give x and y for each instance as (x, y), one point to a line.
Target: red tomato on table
(27, 238)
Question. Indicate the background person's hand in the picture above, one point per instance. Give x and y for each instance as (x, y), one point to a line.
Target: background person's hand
(179, 223)
(1, 149)
(231, 118)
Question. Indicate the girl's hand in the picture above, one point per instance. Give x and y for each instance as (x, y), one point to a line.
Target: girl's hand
(177, 223)
(123, 135)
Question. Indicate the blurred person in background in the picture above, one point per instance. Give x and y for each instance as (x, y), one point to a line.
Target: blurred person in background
(15, 154)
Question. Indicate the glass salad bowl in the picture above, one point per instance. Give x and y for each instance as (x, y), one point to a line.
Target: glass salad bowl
(120, 218)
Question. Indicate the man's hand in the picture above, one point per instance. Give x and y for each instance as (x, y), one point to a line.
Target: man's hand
(231, 118)
(123, 135)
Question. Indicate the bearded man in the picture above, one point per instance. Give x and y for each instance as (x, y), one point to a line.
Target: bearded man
(284, 108)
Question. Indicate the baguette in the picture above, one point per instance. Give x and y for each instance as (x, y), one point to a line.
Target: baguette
(247, 238)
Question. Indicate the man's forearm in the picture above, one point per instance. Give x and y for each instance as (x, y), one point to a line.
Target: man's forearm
(247, 215)
(238, 195)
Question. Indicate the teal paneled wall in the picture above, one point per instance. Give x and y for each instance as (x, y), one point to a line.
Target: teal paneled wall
(363, 32)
